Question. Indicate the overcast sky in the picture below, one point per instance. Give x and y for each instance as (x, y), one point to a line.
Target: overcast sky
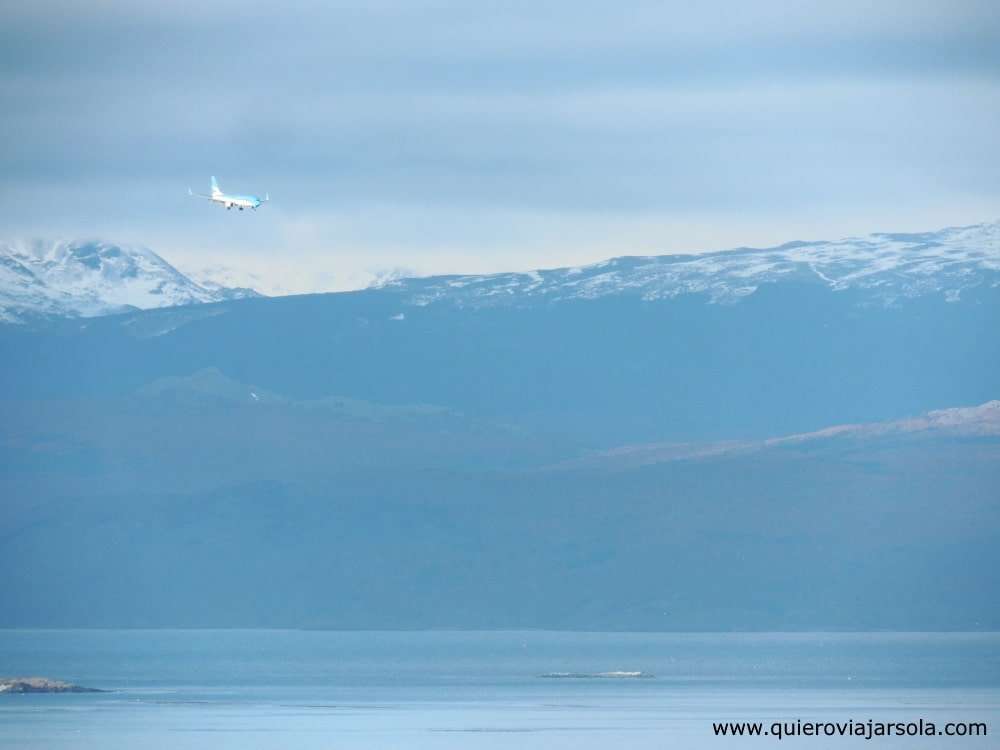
(481, 136)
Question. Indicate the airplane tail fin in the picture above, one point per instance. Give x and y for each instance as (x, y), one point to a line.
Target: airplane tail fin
(215, 187)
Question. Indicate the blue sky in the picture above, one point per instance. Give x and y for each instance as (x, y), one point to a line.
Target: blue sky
(467, 137)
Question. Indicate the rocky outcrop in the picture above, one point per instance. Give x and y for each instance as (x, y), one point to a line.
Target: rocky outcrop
(41, 685)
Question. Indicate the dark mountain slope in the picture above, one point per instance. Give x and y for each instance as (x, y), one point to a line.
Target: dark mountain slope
(789, 358)
(627, 445)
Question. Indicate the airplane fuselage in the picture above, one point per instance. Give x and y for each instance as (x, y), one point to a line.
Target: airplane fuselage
(236, 201)
(231, 200)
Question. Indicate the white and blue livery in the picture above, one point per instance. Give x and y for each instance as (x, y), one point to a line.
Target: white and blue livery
(231, 201)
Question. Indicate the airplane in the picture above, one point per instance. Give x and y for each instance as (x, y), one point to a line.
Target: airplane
(231, 201)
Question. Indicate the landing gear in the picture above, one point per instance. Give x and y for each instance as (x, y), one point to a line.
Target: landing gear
(241, 208)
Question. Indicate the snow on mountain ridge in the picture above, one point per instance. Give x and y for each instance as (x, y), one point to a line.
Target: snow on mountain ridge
(890, 266)
(981, 421)
(83, 279)
(90, 278)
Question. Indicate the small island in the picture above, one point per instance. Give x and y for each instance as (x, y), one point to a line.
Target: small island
(617, 675)
(41, 685)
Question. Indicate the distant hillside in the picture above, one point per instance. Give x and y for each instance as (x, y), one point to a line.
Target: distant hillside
(803, 437)
(88, 278)
(195, 504)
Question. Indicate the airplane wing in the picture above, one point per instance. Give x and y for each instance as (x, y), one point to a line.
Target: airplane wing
(198, 195)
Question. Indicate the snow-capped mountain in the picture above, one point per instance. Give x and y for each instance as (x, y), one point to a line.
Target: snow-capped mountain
(89, 278)
(888, 266)
(83, 279)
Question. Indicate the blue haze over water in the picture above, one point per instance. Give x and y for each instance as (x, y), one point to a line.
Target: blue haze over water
(323, 689)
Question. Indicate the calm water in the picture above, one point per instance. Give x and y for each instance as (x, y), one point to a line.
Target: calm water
(297, 689)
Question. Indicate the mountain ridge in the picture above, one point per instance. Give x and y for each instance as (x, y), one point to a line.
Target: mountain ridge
(274, 462)
(887, 266)
(90, 278)
(970, 422)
